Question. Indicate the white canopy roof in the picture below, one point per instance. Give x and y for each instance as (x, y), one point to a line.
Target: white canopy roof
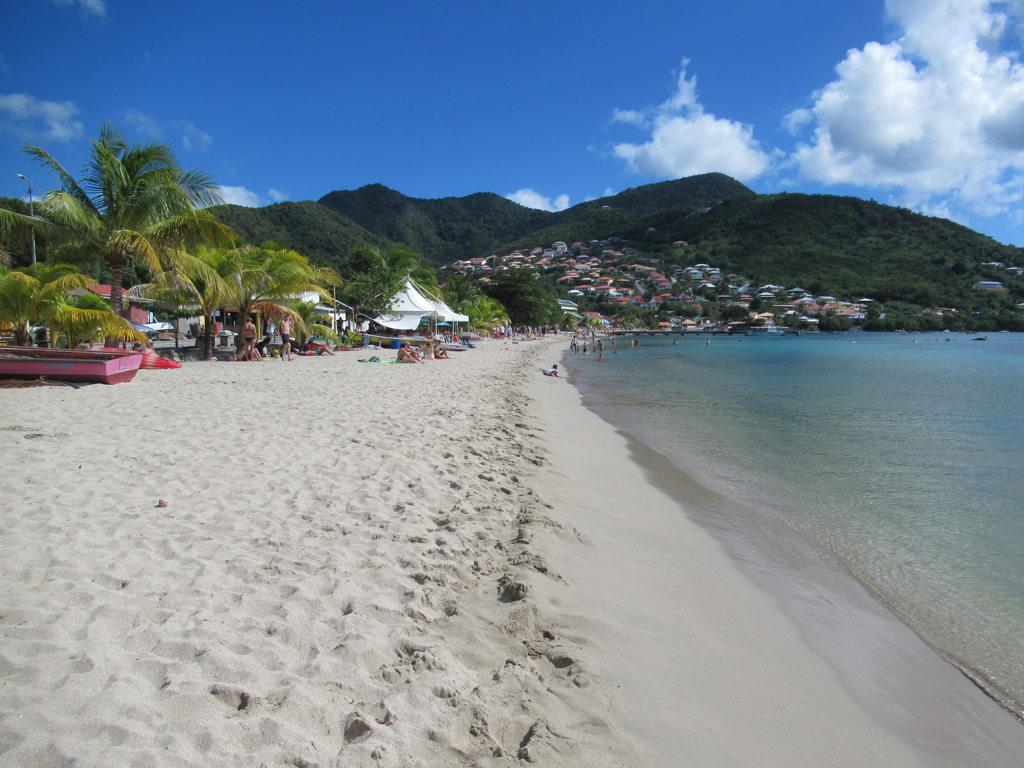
(402, 322)
(444, 312)
(410, 306)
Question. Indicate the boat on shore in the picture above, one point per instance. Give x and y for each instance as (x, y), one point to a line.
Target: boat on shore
(97, 366)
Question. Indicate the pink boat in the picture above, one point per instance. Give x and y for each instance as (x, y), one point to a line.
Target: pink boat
(106, 366)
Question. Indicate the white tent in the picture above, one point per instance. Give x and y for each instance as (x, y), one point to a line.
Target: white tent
(408, 308)
(412, 304)
(446, 313)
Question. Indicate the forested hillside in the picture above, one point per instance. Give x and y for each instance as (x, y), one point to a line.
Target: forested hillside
(831, 243)
(307, 227)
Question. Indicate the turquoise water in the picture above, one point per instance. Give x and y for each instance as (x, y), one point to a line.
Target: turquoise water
(900, 454)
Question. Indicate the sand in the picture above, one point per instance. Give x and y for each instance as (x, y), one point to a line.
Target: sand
(329, 563)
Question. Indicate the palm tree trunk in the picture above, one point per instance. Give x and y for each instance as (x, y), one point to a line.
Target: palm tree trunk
(208, 338)
(116, 285)
(116, 288)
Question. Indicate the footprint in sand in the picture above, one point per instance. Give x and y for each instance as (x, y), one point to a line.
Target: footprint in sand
(234, 698)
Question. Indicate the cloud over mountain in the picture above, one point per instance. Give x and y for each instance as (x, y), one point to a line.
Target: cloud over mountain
(937, 114)
(685, 140)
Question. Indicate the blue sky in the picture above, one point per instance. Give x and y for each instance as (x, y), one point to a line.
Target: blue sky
(911, 102)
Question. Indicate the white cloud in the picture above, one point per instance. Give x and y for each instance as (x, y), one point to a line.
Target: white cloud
(239, 196)
(277, 195)
(937, 114)
(34, 118)
(797, 119)
(629, 117)
(686, 140)
(142, 123)
(95, 7)
(193, 139)
(533, 199)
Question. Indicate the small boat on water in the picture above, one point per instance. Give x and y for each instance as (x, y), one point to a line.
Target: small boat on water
(102, 366)
(764, 330)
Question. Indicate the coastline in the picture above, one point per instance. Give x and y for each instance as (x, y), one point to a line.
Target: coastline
(914, 695)
(453, 564)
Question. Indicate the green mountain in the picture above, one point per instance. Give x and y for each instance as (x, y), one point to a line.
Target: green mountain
(307, 227)
(689, 194)
(453, 228)
(823, 243)
(444, 229)
(831, 243)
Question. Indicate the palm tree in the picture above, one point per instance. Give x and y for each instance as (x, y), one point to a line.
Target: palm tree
(134, 204)
(262, 279)
(307, 324)
(485, 312)
(41, 293)
(196, 280)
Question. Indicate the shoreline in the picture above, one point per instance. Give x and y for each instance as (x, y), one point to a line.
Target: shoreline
(907, 687)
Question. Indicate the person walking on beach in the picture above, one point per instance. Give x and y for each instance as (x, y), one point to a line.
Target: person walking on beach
(286, 338)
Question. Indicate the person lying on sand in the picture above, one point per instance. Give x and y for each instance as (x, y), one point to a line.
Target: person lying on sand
(552, 371)
(406, 354)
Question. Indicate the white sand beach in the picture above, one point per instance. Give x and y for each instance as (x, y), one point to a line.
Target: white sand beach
(332, 563)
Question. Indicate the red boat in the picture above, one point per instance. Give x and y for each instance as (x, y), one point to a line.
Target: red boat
(105, 366)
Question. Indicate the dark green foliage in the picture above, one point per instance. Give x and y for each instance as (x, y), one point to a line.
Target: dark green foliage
(836, 244)
(451, 228)
(527, 300)
(444, 229)
(689, 194)
(311, 229)
(16, 243)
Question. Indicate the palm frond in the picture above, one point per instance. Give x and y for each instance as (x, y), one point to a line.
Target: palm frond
(129, 244)
(68, 212)
(192, 228)
(78, 324)
(12, 219)
(68, 183)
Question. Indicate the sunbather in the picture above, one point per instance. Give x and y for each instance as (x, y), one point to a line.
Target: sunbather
(406, 354)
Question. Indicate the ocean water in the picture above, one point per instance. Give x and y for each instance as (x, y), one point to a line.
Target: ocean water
(899, 454)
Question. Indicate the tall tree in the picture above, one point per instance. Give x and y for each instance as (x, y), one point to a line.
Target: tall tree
(527, 300)
(262, 279)
(195, 280)
(133, 204)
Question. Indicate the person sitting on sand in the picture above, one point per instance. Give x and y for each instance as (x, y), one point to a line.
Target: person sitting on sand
(440, 353)
(406, 354)
(261, 347)
(552, 371)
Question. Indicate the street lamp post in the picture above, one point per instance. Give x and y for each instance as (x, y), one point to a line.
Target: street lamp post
(31, 213)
